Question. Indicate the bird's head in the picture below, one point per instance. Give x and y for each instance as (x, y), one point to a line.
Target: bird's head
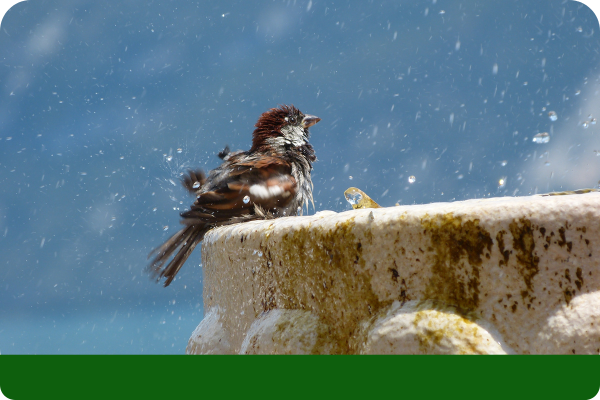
(282, 128)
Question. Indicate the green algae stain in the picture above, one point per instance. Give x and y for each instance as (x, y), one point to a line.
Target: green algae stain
(563, 240)
(579, 280)
(524, 246)
(320, 269)
(505, 253)
(458, 248)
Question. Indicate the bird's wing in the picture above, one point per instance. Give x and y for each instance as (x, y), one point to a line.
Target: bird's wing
(265, 182)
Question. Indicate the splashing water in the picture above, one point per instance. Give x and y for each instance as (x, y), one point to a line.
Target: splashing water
(359, 199)
(543, 137)
(354, 198)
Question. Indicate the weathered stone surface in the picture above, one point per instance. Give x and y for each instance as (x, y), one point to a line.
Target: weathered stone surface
(287, 332)
(519, 271)
(210, 337)
(429, 327)
(564, 329)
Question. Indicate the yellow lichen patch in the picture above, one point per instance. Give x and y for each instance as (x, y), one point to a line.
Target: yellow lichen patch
(571, 192)
(321, 270)
(458, 248)
(440, 329)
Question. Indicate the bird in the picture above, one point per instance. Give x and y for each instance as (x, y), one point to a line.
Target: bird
(271, 180)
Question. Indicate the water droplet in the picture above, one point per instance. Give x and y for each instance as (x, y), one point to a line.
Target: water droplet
(495, 69)
(246, 199)
(196, 185)
(502, 182)
(442, 12)
(354, 198)
(593, 121)
(411, 179)
(166, 227)
(350, 177)
(180, 150)
(503, 163)
(577, 92)
(542, 137)
(547, 163)
(169, 158)
(299, 211)
(579, 29)
(154, 209)
(585, 124)
(460, 176)
(552, 115)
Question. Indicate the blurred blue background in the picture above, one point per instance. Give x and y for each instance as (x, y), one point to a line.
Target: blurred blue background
(104, 103)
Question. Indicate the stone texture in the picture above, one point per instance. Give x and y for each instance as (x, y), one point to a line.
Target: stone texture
(429, 327)
(286, 332)
(210, 337)
(479, 276)
(564, 329)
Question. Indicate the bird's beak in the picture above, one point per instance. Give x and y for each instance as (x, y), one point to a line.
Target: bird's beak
(309, 120)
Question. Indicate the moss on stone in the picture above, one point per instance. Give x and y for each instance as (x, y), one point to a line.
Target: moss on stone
(310, 267)
(458, 248)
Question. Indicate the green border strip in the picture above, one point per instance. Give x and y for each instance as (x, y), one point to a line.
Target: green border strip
(169, 377)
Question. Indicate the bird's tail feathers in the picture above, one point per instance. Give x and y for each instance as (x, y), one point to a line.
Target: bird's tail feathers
(182, 244)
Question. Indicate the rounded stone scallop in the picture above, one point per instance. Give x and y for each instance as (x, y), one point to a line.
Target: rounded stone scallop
(286, 332)
(429, 327)
(210, 336)
(572, 328)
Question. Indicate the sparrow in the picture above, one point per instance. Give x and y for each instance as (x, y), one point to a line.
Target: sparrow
(270, 180)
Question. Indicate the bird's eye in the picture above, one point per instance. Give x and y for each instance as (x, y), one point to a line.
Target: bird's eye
(292, 119)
